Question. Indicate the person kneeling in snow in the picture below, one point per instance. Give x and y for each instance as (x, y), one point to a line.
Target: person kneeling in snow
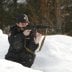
(22, 42)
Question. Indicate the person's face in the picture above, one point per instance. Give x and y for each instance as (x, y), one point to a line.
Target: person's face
(22, 24)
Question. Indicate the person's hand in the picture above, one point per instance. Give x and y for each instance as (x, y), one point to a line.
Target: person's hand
(26, 32)
(37, 38)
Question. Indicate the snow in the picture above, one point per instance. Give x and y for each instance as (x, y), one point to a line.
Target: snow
(54, 56)
(4, 45)
(9, 66)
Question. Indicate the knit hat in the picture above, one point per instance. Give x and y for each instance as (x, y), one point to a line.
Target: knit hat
(22, 18)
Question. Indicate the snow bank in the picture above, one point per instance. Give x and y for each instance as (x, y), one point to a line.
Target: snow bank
(4, 45)
(55, 55)
(9, 66)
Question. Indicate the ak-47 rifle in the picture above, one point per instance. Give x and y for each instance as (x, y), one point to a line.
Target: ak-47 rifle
(36, 27)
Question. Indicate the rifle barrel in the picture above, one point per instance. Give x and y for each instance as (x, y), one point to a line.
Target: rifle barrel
(37, 26)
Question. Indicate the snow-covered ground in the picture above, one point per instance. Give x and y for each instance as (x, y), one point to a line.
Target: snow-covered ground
(9, 66)
(55, 55)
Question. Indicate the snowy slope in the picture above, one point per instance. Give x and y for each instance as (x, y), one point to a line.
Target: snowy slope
(8, 66)
(55, 55)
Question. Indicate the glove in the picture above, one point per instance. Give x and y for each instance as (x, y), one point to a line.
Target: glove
(26, 32)
(37, 38)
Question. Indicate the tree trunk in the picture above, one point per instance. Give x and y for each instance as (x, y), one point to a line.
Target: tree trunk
(58, 17)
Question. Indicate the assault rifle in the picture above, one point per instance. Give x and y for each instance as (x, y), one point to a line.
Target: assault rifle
(36, 26)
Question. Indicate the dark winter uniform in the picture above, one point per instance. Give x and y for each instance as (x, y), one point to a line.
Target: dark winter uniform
(21, 48)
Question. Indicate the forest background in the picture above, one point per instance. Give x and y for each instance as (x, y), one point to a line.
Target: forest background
(57, 14)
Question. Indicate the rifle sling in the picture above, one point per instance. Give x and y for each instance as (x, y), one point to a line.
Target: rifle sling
(30, 51)
(42, 43)
(27, 49)
(43, 40)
